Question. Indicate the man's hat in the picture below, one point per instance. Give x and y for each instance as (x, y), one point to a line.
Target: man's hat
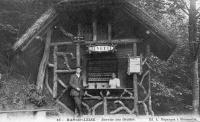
(78, 67)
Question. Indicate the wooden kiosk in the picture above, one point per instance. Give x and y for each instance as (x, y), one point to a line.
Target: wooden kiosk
(102, 37)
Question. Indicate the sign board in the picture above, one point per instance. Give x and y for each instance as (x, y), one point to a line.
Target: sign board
(100, 48)
(134, 65)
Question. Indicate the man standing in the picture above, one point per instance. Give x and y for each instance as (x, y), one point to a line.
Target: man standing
(76, 82)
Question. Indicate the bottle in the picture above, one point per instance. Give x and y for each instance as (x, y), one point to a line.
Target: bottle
(95, 85)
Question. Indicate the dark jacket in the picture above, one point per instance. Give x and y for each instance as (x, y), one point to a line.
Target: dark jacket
(75, 83)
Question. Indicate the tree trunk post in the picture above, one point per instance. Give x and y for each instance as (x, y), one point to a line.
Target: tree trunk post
(148, 52)
(194, 59)
(78, 56)
(44, 62)
(135, 83)
(55, 78)
(195, 86)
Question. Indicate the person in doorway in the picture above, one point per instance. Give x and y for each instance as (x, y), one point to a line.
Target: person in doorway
(114, 82)
(76, 83)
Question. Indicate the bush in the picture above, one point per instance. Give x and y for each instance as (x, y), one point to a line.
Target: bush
(17, 93)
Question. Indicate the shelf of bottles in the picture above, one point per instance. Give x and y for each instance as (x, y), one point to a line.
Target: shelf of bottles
(99, 77)
(99, 72)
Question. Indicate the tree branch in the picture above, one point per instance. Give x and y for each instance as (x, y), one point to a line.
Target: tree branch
(198, 9)
(66, 33)
(198, 14)
(185, 4)
(197, 52)
(186, 12)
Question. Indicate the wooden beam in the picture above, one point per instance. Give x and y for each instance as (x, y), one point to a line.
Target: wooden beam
(47, 81)
(84, 70)
(61, 43)
(79, 33)
(116, 41)
(65, 71)
(148, 52)
(50, 65)
(78, 55)
(55, 83)
(135, 83)
(67, 34)
(94, 27)
(62, 83)
(90, 3)
(40, 25)
(44, 62)
(105, 111)
(109, 32)
(40, 33)
(110, 98)
(28, 110)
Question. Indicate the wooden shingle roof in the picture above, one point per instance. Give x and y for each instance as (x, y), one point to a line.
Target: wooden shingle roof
(162, 46)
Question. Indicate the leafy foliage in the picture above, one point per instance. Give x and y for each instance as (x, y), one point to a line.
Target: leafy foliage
(17, 93)
(15, 17)
(171, 80)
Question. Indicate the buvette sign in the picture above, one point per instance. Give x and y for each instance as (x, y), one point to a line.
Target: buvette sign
(101, 48)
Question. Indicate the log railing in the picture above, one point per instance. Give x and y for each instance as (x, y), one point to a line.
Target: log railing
(113, 101)
(104, 97)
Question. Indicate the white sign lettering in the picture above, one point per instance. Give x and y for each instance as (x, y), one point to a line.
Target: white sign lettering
(101, 48)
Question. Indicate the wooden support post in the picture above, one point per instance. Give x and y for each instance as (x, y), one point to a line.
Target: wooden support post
(44, 62)
(109, 32)
(84, 73)
(79, 30)
(105, 106)
(78, 57)
(148, 51)
(47, 81)
(55, 84)
(135, 83)
(94, 27)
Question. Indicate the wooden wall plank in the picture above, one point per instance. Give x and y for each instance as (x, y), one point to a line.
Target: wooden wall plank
(109, 32)
(94, 27)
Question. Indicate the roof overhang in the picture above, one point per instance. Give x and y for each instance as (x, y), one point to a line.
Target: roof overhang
(162, 45)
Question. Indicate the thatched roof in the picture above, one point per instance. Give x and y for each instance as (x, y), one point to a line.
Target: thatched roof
(163, 45)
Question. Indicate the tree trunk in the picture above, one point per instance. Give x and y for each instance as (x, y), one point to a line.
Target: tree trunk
(195, 84)
(194, 59)
(44, 62)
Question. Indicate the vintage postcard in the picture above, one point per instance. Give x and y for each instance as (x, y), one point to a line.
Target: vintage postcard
(99, 60)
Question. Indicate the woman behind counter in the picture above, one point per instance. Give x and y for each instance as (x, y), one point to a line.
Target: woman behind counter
(114, 82)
